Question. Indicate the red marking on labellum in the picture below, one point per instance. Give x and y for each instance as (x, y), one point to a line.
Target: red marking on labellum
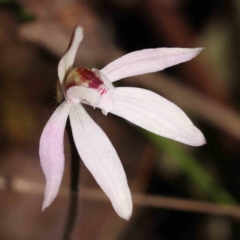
(89, 76)
(102, 90)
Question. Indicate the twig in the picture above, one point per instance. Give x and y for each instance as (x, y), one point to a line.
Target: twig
(185, 205)
(26, 186)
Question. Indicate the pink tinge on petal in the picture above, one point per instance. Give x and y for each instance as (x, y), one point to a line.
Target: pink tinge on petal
(147, 61)
(52, 152)
(101, 159)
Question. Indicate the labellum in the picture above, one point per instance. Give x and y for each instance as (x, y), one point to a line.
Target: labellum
(83, 77)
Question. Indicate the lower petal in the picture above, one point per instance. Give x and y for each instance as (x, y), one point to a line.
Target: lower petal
(52, 152)
(101, 159)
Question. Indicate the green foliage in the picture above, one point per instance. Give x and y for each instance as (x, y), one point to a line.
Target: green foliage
(192, 169)
(22, 14)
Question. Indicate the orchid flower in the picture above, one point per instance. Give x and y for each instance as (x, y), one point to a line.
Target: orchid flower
(139, 106)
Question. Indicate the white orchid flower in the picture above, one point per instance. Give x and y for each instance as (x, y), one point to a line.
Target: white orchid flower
(141, 107)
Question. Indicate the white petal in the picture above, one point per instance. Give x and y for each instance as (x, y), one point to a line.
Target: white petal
(66, 62)
(52, 152)
(77, 94)
(101, 159)
(147, 61)
(155, 114)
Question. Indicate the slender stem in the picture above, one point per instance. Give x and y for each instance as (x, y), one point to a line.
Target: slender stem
(74, 187)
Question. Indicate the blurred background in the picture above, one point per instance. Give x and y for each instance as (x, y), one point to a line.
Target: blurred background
(180, 192)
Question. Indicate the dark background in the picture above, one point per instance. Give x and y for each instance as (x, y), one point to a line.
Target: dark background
(34, 35)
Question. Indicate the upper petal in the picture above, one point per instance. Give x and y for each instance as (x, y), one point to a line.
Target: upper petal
(52, 152)
(155, 114)
(101, 159)
(147, 61)
(66, 62)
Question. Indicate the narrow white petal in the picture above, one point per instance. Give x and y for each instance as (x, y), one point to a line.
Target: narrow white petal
(52, 152)
(101, 159)
(147, 61)
(66, 62)
(155, 114)
(77, 94)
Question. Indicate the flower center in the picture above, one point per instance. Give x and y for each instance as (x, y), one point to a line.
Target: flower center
(91, 87)
(83, 77)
